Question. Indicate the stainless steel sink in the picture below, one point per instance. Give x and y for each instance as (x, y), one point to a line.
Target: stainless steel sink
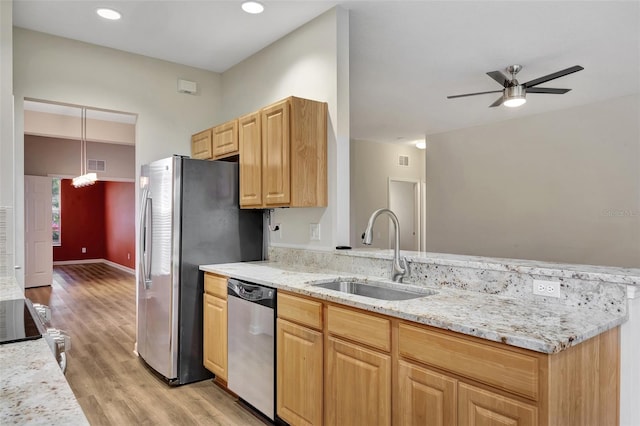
(374, 290)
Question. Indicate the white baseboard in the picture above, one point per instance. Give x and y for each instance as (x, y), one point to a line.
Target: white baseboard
(118, 266)
(105, 261)
(77, 262)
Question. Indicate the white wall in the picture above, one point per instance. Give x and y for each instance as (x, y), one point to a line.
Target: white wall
(7, 242)
(372, 164)
(310, 62)
(58, 69)
(561, 186)
(44, 156)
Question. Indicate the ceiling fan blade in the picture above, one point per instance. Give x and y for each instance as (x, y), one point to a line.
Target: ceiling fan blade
(547, 90)
(499, 77)
(553, 76)
(498, 102)
(473, 94)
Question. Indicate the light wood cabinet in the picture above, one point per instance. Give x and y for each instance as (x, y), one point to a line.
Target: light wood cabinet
(250, 144)
(425, 397)
(300, 373)
(201, 147)
(357, 385)
(225, 139)
(481, 407)
(382, 370)
(300, 360)
(292, 144)
(215, 325)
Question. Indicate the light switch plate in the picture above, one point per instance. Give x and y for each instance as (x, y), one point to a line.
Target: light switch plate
(314, 231)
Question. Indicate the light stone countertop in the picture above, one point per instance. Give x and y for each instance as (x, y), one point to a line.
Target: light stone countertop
(612, 274)
(33, 389)
(536, 326)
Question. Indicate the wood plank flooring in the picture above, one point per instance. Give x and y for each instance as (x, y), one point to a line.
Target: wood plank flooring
(96, 305)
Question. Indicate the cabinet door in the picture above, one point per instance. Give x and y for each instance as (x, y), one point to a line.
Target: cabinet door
(300, 368)
(424, 397)
(201, 145)
(250, 144)
(225, 139)
(358, 385)
(215, 335)
(276, 183)
(479, 407)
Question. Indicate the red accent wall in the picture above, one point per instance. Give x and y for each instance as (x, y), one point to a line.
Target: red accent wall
(100, 217)
(119, 224)
(82, 222)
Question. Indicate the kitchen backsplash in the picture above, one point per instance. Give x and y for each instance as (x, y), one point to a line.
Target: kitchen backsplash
(580, 285)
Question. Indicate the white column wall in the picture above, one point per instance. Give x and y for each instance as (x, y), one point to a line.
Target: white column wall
(310, 62)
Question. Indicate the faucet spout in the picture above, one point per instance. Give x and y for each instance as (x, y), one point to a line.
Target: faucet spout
(399, 266)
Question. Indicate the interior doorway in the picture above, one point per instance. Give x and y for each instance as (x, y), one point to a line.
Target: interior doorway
(90, 153)
(404, 201)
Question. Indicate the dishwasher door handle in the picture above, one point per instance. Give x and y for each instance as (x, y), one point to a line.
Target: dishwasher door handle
(250, 292)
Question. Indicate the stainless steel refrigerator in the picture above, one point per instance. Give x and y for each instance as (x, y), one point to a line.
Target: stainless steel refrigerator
(189, 216)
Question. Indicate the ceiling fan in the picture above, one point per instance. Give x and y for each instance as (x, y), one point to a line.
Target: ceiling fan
(514, 93)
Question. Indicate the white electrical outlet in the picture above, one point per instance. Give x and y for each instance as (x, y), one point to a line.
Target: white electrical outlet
(128, 256)
(84, 249)
(314, 231)
(546, 288)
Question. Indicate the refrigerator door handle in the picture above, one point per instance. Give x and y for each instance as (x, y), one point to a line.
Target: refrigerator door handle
(145, 247)
(149, 225)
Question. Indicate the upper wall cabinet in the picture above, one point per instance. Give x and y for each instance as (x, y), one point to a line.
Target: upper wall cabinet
(225, 139)
(201, 147)
(284, 164)
(218, 142)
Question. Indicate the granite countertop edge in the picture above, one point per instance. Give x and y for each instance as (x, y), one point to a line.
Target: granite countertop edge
(537, 327)
(33, 388)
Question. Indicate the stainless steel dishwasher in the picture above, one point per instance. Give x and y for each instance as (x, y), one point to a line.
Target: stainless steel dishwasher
(251, 344)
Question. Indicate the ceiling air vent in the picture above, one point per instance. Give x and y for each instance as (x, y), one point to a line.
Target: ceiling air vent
(96, 165)
(403, 160)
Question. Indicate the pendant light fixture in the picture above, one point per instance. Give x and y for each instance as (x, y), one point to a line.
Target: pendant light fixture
(85, 179)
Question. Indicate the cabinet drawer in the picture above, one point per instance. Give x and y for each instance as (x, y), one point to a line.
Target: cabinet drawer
(360, 327)
(299, 310)
(509, 370)
(215, 285)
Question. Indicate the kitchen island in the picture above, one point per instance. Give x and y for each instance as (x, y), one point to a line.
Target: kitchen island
(33, 389)
(482, 312)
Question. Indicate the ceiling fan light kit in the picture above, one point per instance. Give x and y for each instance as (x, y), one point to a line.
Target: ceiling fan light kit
(514, 96)
(513, 93)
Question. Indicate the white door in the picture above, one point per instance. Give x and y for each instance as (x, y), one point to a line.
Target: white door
(403, 201)
(38, 237)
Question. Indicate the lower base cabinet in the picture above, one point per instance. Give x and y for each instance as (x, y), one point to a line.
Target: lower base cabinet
(300, 375)
(429, 398)
(425, 397)
(481, 407)
(214, 339)
(358, 385)
(343, 366)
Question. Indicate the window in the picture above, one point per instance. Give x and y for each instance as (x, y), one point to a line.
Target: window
(55, 211)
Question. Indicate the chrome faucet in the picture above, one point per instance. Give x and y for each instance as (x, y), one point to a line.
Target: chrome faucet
(399, 267)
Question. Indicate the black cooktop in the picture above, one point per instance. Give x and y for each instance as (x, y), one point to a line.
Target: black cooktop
(19, 321)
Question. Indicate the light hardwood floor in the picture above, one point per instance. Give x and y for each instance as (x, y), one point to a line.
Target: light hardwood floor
(95, 304)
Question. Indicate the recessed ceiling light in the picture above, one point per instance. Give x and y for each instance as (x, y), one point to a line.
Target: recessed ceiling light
(110, 14)
(253, 7)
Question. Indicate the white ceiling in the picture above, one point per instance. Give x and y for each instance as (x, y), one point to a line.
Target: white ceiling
(406, 56)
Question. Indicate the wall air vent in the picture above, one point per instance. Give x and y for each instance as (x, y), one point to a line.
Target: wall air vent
(403, 160)
(96, 165)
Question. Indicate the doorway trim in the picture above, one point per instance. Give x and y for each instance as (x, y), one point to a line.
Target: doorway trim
(418, 198)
